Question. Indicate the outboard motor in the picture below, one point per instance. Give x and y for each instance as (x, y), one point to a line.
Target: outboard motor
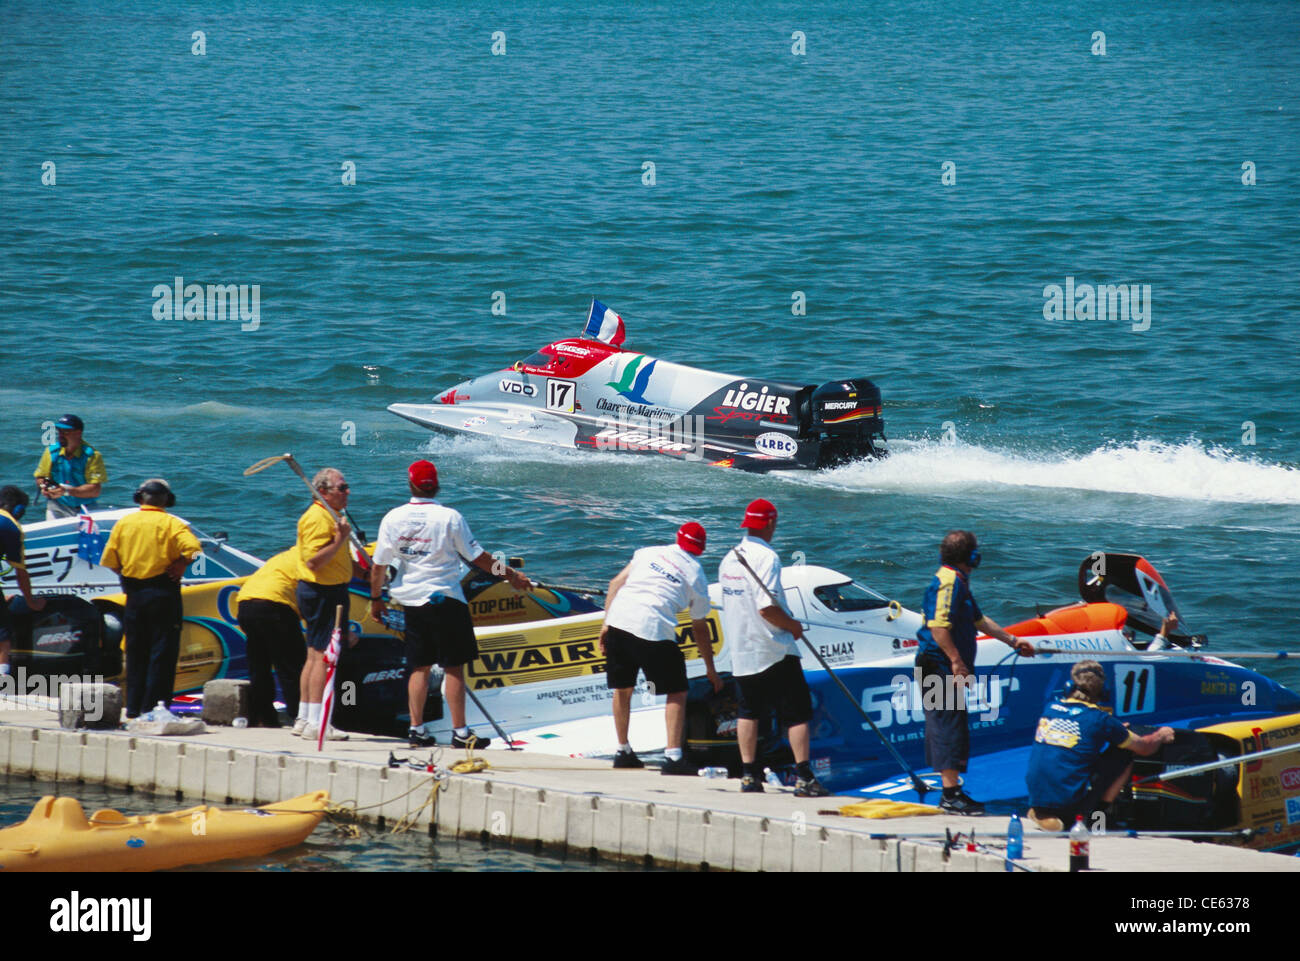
(846, 417)
(375, 670)
(62, 639)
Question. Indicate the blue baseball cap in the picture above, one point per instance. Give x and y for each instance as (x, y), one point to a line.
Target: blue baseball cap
(69, 422)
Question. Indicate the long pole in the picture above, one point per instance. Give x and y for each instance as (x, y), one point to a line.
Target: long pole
(363, 558)
(918, 785)
(491, 720)
(1135, 653)
(1215, 765)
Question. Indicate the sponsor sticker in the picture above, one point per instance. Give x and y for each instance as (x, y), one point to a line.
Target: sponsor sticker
(61, 638)
(776, 444)
(759, 401)
(517, 387)
(560, 395)
(1293, 810)
(1291, 779)
(475, 421)
(572, 350)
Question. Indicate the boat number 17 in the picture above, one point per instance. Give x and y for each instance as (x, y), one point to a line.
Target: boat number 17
(1135, 690)
(559, 395)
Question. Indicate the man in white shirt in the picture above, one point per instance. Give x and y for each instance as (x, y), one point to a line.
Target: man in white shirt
(761, 635)
(640, 633)
(426, 543)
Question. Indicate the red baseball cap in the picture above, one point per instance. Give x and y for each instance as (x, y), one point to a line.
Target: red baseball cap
(691, 537)
(759, 514)
(423, 475)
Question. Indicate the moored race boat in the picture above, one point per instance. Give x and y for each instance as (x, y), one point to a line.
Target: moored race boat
(1120, 612)
(62, 556)
(79, 631)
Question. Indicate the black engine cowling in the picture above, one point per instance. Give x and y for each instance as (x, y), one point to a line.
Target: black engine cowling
(846, 416)
(64, 638)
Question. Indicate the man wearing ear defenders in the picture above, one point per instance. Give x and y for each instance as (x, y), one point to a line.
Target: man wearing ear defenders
(1071, 771)
(150, 550)
(13, 504)
(946, 653)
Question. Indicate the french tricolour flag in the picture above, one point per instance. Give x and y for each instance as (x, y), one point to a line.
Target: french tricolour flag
(604, 324)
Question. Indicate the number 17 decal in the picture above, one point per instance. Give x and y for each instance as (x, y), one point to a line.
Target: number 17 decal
(559, 395)
(1135, 691)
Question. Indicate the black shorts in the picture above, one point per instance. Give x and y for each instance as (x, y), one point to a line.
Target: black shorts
(780, 688)
(947, 728)
(1105, 770)
(663, 662)
(7, 627)
(317, 604)
(440, 632)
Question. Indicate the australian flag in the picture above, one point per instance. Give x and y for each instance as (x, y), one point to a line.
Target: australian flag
(604, 324)
(90, 539)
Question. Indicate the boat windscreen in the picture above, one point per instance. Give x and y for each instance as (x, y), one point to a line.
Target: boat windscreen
(849, 596)
(538, 359)
(1143, 613)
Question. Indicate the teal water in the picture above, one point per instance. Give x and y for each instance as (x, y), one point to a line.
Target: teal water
(775, 173)
(326, 849)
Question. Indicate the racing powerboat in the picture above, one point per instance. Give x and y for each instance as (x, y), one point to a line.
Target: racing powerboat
(544, 682)
(79, 630)
(591, 393)
(82, 637)
(1124, 599)
(62, 556)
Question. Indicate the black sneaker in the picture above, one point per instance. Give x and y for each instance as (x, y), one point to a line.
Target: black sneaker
(751, 785)
(470, 740)
(418, 738)
(960, 803)
(627, 759)
(680, 766)
(811, 788)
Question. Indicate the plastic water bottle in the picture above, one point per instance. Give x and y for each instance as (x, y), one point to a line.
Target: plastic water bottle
(1015, 841)
(771, 777)
(239, 722)
(1078, 845)
(712, 772)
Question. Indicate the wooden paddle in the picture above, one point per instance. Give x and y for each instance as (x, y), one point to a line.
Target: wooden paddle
(363, 558)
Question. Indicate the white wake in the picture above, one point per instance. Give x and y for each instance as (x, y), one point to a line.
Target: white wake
(1187, 471)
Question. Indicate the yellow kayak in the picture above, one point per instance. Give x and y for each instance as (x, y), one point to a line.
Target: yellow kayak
(57, 835)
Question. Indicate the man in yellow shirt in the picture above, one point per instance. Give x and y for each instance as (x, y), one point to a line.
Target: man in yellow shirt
(13, 504)
(150, 550)
(268, 616)
(325, 567)
(71, 473)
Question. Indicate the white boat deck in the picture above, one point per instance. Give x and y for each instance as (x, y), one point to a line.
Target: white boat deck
(543, 801)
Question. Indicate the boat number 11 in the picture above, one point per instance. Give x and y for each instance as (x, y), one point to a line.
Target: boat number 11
(1135, 690)
(559, 395)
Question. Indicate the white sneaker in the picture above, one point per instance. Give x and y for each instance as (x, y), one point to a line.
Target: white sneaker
(298, 726)
(312, 732)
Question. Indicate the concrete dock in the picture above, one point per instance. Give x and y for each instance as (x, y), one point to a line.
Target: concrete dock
(545, 802)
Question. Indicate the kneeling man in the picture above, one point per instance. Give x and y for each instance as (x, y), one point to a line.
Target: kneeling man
(1070, 773)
